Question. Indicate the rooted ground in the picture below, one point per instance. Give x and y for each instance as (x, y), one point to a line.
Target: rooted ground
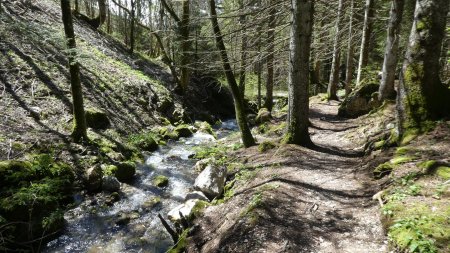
(299, 199)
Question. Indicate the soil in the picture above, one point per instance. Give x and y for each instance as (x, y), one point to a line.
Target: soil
(315, 199)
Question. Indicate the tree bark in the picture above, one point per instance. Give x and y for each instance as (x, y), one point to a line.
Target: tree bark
(79, 126)
(334, 75)
(243, 50)
(365, 41)
(387, 90)
(246, 135)
(102, 12)
(300, 47)
(185, 46)
(132, 25)
(270, 58)
(421, 95)
(350, 52)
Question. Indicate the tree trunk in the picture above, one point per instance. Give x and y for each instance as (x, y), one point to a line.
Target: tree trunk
(132, 25)
(365, 41)
(387, 90)
(88, 8)
(77, 6)
(108, 24)
(79, 126)
(102, 12)
(350, 52)
(421, 95)
(300, 46)
(270, 58)
(334, 75)
(243, 50)
(246, 135)
(185, 46)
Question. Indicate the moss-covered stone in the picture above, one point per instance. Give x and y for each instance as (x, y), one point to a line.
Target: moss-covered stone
(379, 144)
(160, 181)
(96, 118)
(32, 194)
(265, 146)
(184, 130)
(401, 159)
(382, 170)
(151, 203)
(125, 171)
(443, 172)
(145, 141)
(168, 133)
(205, 127)
(360, 101)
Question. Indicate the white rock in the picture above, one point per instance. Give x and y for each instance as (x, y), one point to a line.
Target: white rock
(196, 195)
(185, 209)
(211, 181)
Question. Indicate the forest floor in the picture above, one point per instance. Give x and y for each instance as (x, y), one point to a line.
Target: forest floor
(319, 199)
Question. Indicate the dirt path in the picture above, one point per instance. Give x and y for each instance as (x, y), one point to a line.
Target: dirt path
(299, 199)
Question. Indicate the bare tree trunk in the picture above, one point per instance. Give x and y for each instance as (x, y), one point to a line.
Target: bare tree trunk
(132, 25)
(387, 90)
(243, 50)
(421, 95)
(246, 135)
(334, 75)
(87, 7)
(350, 52)
(300, 47)
(108, 24)
(77, 7)
(185, 46)
(270, 57)
(102, 12)
(367, 31)
(79, 125)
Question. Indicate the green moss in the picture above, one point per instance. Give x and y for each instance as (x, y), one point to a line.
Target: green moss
(96, 118)
(125, 171)
(443, 172)
(161, 181)
(265, 146)
(205, 127)
(401, 159)
(144, 141)
(382, 170)
(197, 210)
(427, 165)
(152, 203)
(402, 151)
(180, 246)
(168, 133)
(379, 144)
(184, 130)
(109, 170)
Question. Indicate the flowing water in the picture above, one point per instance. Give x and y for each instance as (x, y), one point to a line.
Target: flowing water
(93, 227)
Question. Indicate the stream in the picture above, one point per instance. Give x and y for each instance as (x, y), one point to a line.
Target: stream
(95, 227)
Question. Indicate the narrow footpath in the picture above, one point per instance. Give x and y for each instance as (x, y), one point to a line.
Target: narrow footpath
(299, 199)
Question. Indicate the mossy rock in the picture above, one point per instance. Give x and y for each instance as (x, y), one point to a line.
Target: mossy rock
(360, 101)
(401, 159)
(160, 181)
(12, 172)
(96, 118)
(151, 203)
(145, 141)
(443, 172)
(125, 171)
(263, 116)
(184, 130)
(168, 133)
(265, 146)
(379, 144)
(382, 170)
(205, 127)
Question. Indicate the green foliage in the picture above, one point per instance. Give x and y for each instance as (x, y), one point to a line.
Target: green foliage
(382, 170)
(145, 141)
(160, 181)
(408, 233)
(401, 159)
(443, 172)
(180, 246)
(265, 146)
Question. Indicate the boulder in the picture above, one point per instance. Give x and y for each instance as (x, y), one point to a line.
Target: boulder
(211, 181)
(160, 181)
(151, 203)
(185, 209)
(125, 171)
(184, 130)
(201, 165)
(196, 195)
(110, 184)
(360, 101)
(94, 177)
(263, 116)
(96, 118)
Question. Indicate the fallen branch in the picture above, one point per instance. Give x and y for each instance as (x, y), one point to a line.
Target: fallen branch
(169, 229)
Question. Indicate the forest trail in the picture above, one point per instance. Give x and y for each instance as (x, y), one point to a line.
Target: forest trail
(301, 200)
